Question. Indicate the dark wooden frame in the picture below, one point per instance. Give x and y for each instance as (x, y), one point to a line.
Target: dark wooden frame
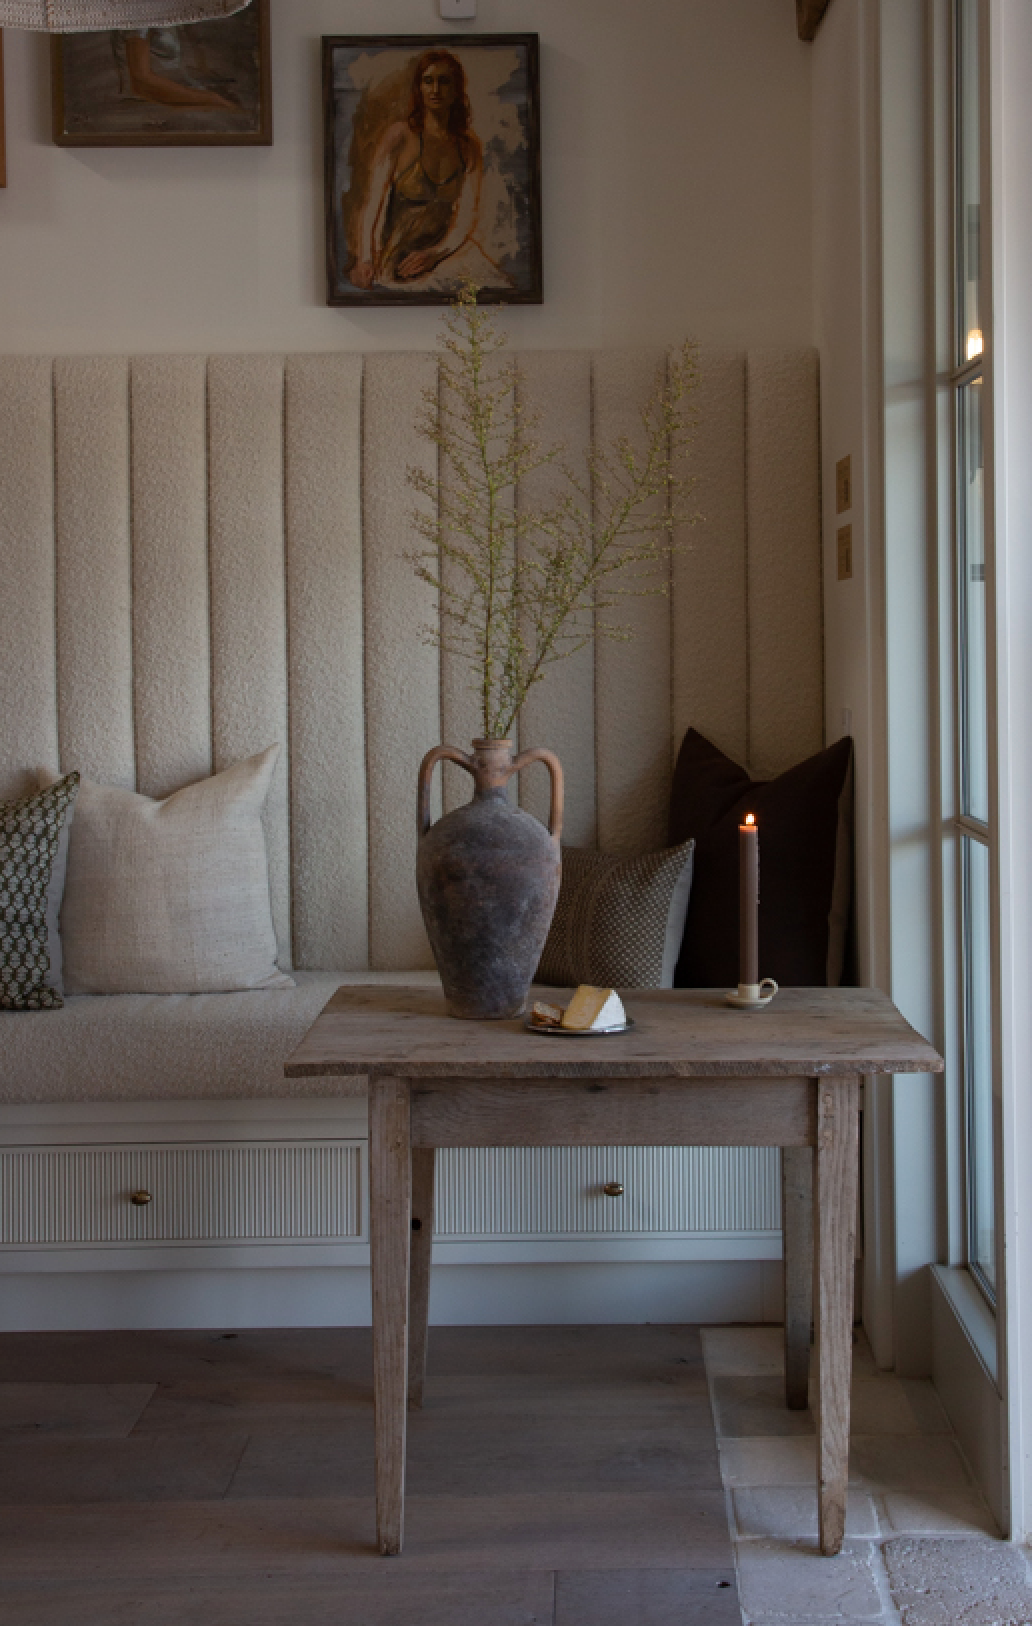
(466, 42)
(262, 137)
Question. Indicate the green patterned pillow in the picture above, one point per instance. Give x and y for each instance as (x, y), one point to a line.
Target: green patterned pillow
(30, 835)
(619, 921)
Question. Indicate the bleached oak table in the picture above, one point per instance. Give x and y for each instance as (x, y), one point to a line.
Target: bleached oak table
(693, 1072)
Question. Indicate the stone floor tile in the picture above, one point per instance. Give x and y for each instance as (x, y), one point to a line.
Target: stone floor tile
(787, 1461)
(390, 1598)
(926, 1405)
(789, 1512)
(310, 1539)
(914, 1462)
(788, 1580)
(741, 1352)
(647, 1598)
(864, 1365)
(959, 1582)
(754, 1407)
(938, 1512)
(881, 1405)
(71, 1408)
(185, 1467)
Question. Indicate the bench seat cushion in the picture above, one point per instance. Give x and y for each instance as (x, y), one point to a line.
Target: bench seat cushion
(173, 1047)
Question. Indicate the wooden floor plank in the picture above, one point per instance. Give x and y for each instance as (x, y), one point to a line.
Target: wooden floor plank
(647, 1598)
(183, 1543)
(540, 1450)
(522, 1598)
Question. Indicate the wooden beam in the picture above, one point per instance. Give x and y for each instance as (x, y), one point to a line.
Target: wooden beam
(808, 15)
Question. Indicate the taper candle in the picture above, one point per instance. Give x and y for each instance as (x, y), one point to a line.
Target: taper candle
(748, 903)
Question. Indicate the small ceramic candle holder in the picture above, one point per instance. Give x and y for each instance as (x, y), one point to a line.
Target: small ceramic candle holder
(752, 996)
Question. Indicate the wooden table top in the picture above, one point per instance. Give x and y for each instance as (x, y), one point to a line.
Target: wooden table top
(678, 1033)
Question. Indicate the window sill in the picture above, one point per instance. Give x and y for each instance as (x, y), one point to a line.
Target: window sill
(976, 1319)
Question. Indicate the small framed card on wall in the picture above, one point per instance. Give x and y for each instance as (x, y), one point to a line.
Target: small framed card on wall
(202, 84)
(433, 168)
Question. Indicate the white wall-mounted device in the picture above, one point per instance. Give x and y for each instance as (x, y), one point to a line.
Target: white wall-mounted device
(457, 10)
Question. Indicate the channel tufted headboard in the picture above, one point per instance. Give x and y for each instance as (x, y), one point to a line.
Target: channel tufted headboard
(205, 554)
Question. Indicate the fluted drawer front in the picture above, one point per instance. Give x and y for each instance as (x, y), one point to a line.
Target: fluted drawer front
(251, 1192)
(559, 1191)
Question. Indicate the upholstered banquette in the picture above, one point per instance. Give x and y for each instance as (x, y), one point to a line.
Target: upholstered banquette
(202, 556)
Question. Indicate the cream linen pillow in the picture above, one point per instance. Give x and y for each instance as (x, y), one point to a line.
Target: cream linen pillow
(171, 897)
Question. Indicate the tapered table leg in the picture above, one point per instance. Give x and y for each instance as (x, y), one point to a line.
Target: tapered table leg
(390, 1209)
(835, 1222)
(797, 1231)
(422, 1248)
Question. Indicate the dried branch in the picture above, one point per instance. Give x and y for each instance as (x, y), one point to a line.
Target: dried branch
(522, 587)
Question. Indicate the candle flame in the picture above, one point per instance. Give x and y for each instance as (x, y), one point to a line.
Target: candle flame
(750, 818)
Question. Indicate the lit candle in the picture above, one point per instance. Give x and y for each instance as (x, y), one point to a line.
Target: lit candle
(749, 904)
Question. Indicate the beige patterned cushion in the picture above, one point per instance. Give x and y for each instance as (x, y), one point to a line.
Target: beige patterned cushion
(171, 897)
(619, 921)
(31, 835)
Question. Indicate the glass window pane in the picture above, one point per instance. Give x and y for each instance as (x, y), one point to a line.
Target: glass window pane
(973, 651)
(978, 1053)
(969, 322)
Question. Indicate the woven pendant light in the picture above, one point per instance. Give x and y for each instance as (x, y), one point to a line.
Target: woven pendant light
(82, 16)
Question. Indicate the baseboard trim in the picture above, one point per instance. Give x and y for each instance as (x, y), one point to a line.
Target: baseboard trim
(963, 1344)
(634, 1292)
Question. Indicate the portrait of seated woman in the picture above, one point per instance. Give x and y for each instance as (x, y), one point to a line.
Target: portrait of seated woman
(422, 205)
(422, 209)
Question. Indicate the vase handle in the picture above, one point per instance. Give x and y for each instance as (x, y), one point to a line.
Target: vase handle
(440, 753)
(538, 753)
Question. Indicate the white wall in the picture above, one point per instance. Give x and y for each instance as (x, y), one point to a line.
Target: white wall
(847, 308)
(873, 298)
(1011, 353)
(675, 176)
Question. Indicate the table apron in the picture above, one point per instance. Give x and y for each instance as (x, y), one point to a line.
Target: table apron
(615, 1112)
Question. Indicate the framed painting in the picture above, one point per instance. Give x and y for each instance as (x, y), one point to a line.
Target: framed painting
(433, 168)
(197, 85)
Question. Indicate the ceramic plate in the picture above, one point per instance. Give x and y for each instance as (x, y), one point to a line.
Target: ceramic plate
(579, 1033)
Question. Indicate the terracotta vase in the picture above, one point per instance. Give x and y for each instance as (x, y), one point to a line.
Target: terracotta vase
(488, 880)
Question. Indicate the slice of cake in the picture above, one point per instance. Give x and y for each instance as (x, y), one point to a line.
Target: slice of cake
(594, 1008)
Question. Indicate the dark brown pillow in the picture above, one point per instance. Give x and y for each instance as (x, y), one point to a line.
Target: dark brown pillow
(806, 864)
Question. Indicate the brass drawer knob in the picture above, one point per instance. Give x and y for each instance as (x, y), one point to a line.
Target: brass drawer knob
(613, 1188)
(140, 1198)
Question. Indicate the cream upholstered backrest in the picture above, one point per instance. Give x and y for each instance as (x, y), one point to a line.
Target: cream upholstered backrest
(202, 555)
